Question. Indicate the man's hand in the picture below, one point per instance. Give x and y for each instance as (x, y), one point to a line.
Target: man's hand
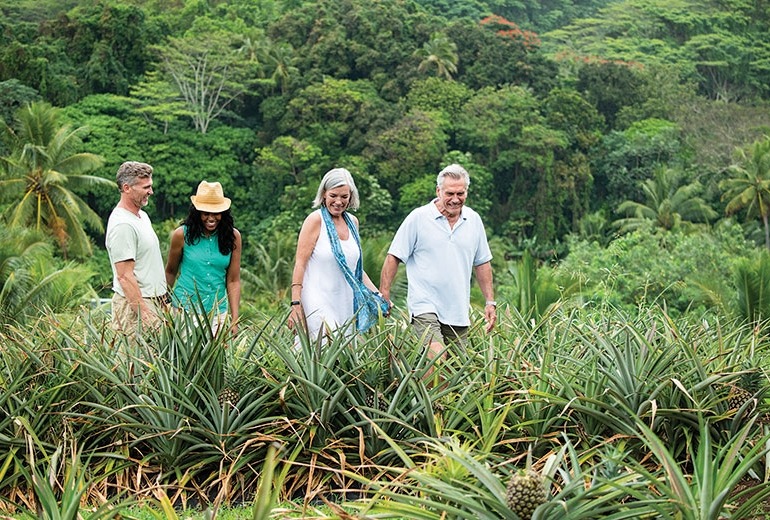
(490, 314)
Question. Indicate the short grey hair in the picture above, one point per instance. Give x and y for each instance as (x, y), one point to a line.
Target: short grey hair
(453, 171)
(130, 171)
(334, 179)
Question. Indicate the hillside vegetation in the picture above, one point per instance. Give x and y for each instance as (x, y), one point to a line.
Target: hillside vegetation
(619, 154)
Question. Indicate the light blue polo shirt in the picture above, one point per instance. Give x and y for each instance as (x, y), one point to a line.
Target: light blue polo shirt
(439, 261)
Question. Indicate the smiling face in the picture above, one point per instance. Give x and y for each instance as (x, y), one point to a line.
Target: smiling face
(210, 221)
(451, 197)
(137, 195)
(337, 200)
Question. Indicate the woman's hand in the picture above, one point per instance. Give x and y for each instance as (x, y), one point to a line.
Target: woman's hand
(295, 316)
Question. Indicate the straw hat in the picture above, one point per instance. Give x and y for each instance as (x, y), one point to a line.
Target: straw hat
(210, 198)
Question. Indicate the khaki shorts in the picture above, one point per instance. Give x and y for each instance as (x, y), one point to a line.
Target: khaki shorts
(429, 329)
(126, 320)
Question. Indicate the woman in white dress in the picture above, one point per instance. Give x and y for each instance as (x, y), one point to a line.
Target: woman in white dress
(321, 296)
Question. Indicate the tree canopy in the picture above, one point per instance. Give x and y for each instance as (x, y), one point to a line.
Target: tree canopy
(562, 110)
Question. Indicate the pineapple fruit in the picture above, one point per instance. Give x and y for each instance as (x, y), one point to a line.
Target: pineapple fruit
(379, 401)
(228, 396)
(377, 378)
(744, 391)
(235, 382)
(525, 493)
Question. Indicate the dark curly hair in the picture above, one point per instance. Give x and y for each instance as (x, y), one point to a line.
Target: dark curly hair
(225, 230)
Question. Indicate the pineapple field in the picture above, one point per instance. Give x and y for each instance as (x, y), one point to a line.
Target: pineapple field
(579, 413)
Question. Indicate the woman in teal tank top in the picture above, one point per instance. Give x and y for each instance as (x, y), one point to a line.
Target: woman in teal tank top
(204, 260)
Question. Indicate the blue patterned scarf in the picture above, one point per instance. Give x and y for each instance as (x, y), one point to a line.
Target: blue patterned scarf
(367, 305)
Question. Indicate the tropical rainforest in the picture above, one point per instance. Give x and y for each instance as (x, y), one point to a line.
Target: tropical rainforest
(619, 153)
(581, 122)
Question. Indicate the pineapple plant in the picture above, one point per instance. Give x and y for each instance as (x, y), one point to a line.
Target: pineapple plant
(236, 380)
(744, 390)
(377, 379)
(525, 492)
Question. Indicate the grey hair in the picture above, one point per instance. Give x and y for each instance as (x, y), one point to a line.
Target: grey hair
(130, 171)
(334, 179)
(453, 171)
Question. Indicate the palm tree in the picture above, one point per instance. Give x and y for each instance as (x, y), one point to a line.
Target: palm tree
(749, 185)
(440, 52)
(667, 204)
(39, 172)
(31, 281)
(747, 297)
(254, 46)
(281, 56)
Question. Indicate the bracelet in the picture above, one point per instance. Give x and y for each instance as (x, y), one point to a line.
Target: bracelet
(491, 302)
(295, 302)
(296, 283)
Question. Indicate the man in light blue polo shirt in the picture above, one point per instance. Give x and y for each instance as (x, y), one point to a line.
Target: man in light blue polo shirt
(441, 243)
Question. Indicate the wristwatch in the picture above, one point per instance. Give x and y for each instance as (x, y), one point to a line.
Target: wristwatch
(493, 303)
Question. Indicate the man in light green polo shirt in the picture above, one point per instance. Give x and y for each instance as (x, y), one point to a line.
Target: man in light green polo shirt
(139, 280)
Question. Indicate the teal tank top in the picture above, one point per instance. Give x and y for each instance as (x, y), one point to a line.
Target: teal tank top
(202, 276)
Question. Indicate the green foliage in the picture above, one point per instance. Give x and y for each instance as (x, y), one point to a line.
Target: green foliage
(668, 204)
(626, 274)
(60, 484)
(117, 133)
(41, 65)
(223, 154)
(729, 65)
(495, 52)
(609, 87)
(533, 289)
(746, 294)
(714, 43)
(440, 53)
(567, 111)
(705, 491)
(438, 96)
(158, 99)
(411, 147)
(209, 74)
(92, 48)
(493, 120)
(749, 184)
(626, 159)
(44, 163)
(354, 40)
(617, 411)
(472, 9)
(268, 282)
(417, 193)
(13, 96)
(335, 115)
(752, 281)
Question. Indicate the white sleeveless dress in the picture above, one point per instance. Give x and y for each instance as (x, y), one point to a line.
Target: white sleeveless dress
(327, 298)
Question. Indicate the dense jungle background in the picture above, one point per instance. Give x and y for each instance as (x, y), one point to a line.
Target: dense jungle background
(594, 130)
(619, 155)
